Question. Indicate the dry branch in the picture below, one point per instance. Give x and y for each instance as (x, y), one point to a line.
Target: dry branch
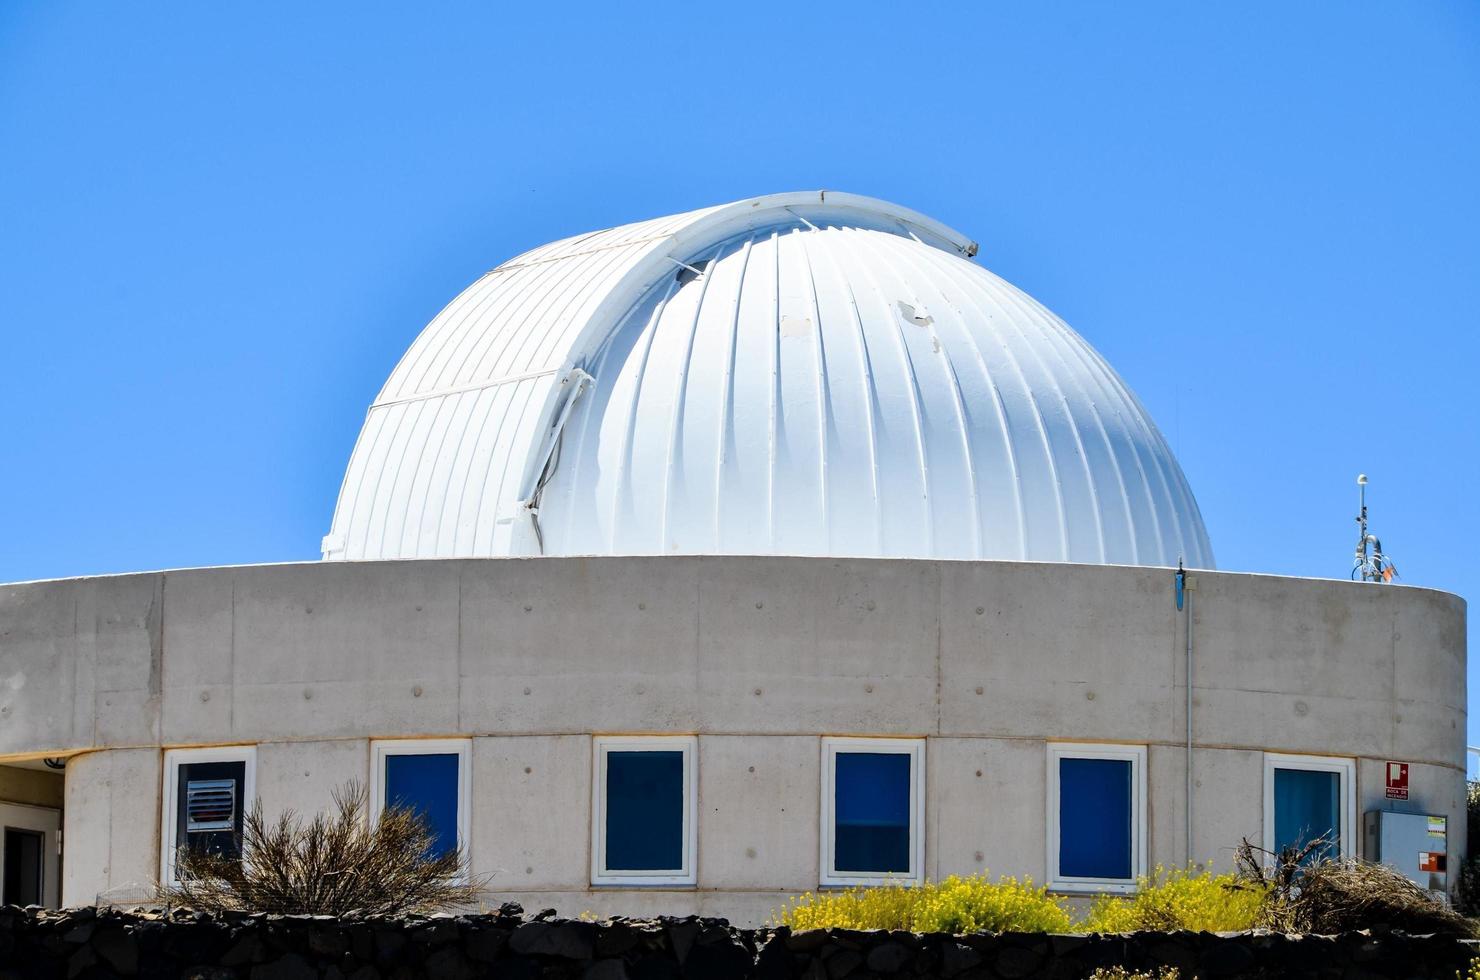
(334, 864)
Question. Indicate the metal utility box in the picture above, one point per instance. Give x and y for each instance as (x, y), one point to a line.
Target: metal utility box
(1416, 844)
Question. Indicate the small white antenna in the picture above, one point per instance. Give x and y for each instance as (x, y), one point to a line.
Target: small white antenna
(1371, 564)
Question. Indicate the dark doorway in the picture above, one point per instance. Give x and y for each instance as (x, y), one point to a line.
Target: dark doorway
(23, 866)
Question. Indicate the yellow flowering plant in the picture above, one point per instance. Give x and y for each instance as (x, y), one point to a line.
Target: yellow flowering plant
(1166, 899)
(1180, 899)
(956, 905)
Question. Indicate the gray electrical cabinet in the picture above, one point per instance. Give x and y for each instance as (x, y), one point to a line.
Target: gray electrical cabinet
(1416, 844)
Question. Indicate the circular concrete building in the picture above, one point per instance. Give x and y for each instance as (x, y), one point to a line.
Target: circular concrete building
(694, 563)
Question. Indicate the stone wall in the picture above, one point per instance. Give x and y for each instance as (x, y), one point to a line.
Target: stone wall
(87, 942)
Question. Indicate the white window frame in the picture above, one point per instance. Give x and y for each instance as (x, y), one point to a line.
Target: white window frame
(604, 745)
(1345, 768)
(1136, 756)
(831, 747)
(173, 760)
(381, 749)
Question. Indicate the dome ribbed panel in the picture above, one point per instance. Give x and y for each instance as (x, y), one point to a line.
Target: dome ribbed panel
(438, 466)
(847, 391)
(840, 380)
(433, 477)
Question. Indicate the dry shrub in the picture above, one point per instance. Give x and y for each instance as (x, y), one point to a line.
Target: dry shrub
(1309, 892)
(1336, 896)
(333, 864)
(1121, 973)
(1276, 875)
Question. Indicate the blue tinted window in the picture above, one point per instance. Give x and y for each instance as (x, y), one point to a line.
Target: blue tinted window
(871, 812)
(1307, 805)
(1095, 818)
(644, 811)
(428, 785)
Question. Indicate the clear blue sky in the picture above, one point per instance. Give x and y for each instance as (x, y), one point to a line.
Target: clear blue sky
(220, 224)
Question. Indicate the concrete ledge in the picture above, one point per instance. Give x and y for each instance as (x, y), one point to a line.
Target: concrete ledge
(727, 645)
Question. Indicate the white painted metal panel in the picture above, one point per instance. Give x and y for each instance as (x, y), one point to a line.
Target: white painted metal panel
(839, 379)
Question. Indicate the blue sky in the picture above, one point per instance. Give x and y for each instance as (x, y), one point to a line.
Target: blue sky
(220, 225)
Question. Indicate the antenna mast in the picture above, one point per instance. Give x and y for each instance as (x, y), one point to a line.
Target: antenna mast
(1370, 565)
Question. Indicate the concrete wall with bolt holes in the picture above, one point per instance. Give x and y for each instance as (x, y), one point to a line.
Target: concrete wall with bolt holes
(759, 656)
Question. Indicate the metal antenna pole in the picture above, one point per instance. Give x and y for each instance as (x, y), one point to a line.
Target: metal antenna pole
(1184, 587)
(1362, 563)
(1372, 563)
(1187, 772)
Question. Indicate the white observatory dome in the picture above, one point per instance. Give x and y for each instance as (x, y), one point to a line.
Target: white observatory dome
(799, 374)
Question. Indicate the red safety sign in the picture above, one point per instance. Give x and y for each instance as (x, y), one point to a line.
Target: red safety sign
(1431, 861)
(1397, 780)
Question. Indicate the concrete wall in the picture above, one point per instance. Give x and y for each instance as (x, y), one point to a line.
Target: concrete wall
(110, 828)
(759, 656)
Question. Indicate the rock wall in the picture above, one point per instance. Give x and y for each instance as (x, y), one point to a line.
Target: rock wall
(85, 942)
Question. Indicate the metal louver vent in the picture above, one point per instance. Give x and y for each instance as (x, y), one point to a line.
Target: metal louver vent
(210, 804)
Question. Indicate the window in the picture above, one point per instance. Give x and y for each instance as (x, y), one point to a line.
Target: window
(1306, 797)
(873, 810)
(206, 792)
(1096, 817)
(644, 802)
(429, 776)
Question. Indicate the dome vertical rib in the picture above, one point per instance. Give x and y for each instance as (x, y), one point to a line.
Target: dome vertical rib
(803, 374)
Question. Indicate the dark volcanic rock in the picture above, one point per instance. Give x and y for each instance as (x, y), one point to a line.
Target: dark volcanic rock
(956, 957)
(1018, 962)
(289, 967)
(616, 939)
(436, 932)
(890, 958)
(449, 963)
(571, 940)
(1225, 958)
(118, 949)
(484, 945)
(681, 935)
(843, 963)
(719, 960)
(807, 941)
(84, 943)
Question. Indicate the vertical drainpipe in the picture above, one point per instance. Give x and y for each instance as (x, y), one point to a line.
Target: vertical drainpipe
(1184, 586)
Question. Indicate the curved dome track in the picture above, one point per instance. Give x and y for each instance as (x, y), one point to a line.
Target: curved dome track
(806, 374)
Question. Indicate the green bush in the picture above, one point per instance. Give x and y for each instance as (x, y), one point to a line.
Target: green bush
(955, 905)
(1180, 899)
